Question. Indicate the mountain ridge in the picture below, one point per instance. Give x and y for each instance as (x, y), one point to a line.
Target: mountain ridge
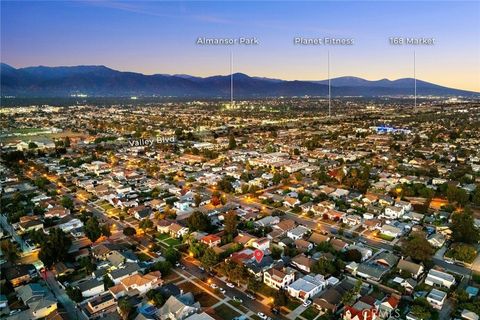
(100, 80)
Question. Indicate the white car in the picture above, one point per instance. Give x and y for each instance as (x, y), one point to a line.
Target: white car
(222, 290)
(307, 303)
(213, 286)
(236, 299)
(262, 316)
(250, 296)
(230, 285)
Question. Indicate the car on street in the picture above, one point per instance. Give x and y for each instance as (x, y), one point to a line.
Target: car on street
(230, 285)
(251, 296)
(213, 286)
(261, 315)
(222, 290)
(237, 299)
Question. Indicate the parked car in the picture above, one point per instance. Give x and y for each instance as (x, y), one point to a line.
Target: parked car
(261, 315)
(214, 286)
(230, 285)
(237, 299)
(251, 296)
(222, 290)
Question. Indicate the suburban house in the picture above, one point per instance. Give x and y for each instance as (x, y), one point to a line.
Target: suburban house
(410, 267)
(211, 240)
(261, 244)
(176, 230)
(437, 240)
(306, 287)
(352, 313)
(278, 278)
(178, 307)
(391, 231)
(388, 306)
(96, 306)
(302, 262)
(439, 279)
(91, 288)
(392, 212)
(140, 212)
(128, 269)
(436, 298)
(40, 301)
(57, 212)
(298, 232)
(137, 283)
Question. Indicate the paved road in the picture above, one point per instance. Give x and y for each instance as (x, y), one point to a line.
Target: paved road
(253, 305)
(63, 298)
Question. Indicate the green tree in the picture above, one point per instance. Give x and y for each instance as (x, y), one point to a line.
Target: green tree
(232, 144)
(156, 297)
(146, 224)
(418, 248)
(209, 259)
(125, 308)
(172, 255)
(280, 298)
(106, 230)
(55, 247)
(92, 229)
(199, 221)
(165, 267)
(32, 145)
(74, 293)
(10, 250)
(87, 264)
(230, 223)
(462, 252)
(129, 231)
(353, 255)
(253, 285)
(67, 202)
(197, 200)
(107, 282)
(351, 295)
(324, 267)
(463, 227)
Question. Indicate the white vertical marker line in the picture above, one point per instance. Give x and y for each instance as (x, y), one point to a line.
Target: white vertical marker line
(415, 76)
(329, 86)
(231, 79)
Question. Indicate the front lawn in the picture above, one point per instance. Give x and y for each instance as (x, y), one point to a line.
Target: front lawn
(310, 313)
(292, 304)
(163, 236)
(385, 237)
(205, 299)
(172, 242)
(266, 290)
(223, 311)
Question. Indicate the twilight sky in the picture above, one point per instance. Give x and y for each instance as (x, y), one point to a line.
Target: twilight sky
(159, 37)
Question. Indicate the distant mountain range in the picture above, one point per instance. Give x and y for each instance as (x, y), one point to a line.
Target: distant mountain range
(101, 81)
